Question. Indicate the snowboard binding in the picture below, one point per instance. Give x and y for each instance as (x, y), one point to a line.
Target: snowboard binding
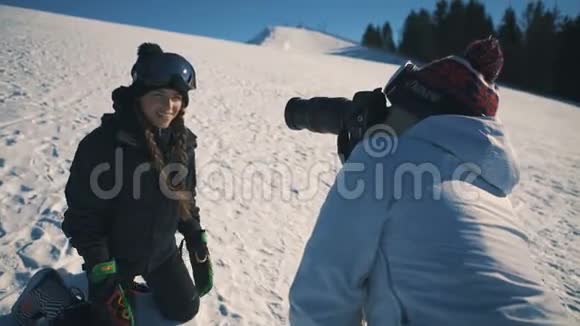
(47, 298)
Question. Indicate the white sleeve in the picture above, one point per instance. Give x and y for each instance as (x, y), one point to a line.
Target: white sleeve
(329, 287)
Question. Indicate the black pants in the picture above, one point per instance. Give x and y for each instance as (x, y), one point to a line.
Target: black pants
(173, 290)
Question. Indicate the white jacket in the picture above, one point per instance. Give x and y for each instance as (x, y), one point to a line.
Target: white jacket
(425, 235)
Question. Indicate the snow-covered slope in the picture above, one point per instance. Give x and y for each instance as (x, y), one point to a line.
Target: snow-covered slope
(305, 40)
(261, 185)
(299, 39)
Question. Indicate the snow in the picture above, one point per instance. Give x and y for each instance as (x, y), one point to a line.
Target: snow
(306, 40)
(300, 39)
(261, 184)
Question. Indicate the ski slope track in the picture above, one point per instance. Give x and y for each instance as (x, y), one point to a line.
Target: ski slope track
(305, 40)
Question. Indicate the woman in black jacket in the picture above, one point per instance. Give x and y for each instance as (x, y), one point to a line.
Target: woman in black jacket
(131, 187)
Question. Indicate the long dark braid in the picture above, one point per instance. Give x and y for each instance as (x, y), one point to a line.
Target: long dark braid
(178, 150)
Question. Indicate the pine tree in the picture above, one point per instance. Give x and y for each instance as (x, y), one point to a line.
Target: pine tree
(511, 40)
(387, 38)
(367, 36)
(478, 24)
(540, 47)
(372, 37)
(456, 27)
(441, 28)
(567, 68)
(417, 40)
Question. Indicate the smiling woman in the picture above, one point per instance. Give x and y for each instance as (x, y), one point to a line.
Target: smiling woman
(150, 112)
(129, 228)
(161, 106)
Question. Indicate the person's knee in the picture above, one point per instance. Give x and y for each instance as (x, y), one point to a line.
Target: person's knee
(183, 311)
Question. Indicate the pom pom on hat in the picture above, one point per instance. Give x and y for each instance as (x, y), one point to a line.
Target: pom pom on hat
(148, 49)
(486, 57)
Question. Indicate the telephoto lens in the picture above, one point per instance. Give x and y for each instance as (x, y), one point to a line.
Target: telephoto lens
(325, 115)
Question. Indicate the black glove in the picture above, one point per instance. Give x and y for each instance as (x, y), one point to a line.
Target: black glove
(196, 242)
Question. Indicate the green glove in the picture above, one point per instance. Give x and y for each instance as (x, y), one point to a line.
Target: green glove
(110, 304)
(102, 271)
(200, 261)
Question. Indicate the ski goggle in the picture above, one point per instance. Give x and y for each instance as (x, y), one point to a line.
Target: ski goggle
(165, 69)
(401, 72)
(398, 77)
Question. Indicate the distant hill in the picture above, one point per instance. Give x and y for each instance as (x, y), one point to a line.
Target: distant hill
(307, 40)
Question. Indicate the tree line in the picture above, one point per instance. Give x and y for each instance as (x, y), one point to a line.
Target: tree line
(541, 48)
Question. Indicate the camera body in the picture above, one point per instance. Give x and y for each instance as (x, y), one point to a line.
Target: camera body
(348, 119)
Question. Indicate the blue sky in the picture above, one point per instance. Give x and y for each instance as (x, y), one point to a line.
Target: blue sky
(241, 20)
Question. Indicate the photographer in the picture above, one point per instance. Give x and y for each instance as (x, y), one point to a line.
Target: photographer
(424, 233)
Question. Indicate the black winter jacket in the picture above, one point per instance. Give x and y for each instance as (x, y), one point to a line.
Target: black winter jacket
(125, 217)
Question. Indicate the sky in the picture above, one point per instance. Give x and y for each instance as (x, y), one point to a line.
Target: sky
(241, 20)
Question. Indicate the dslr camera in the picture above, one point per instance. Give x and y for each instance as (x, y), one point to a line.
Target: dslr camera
(348, 119)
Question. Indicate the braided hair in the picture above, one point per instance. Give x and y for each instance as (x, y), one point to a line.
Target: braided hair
(178, 151)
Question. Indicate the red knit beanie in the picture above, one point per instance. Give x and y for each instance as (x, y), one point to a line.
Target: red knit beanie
(452, 85)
